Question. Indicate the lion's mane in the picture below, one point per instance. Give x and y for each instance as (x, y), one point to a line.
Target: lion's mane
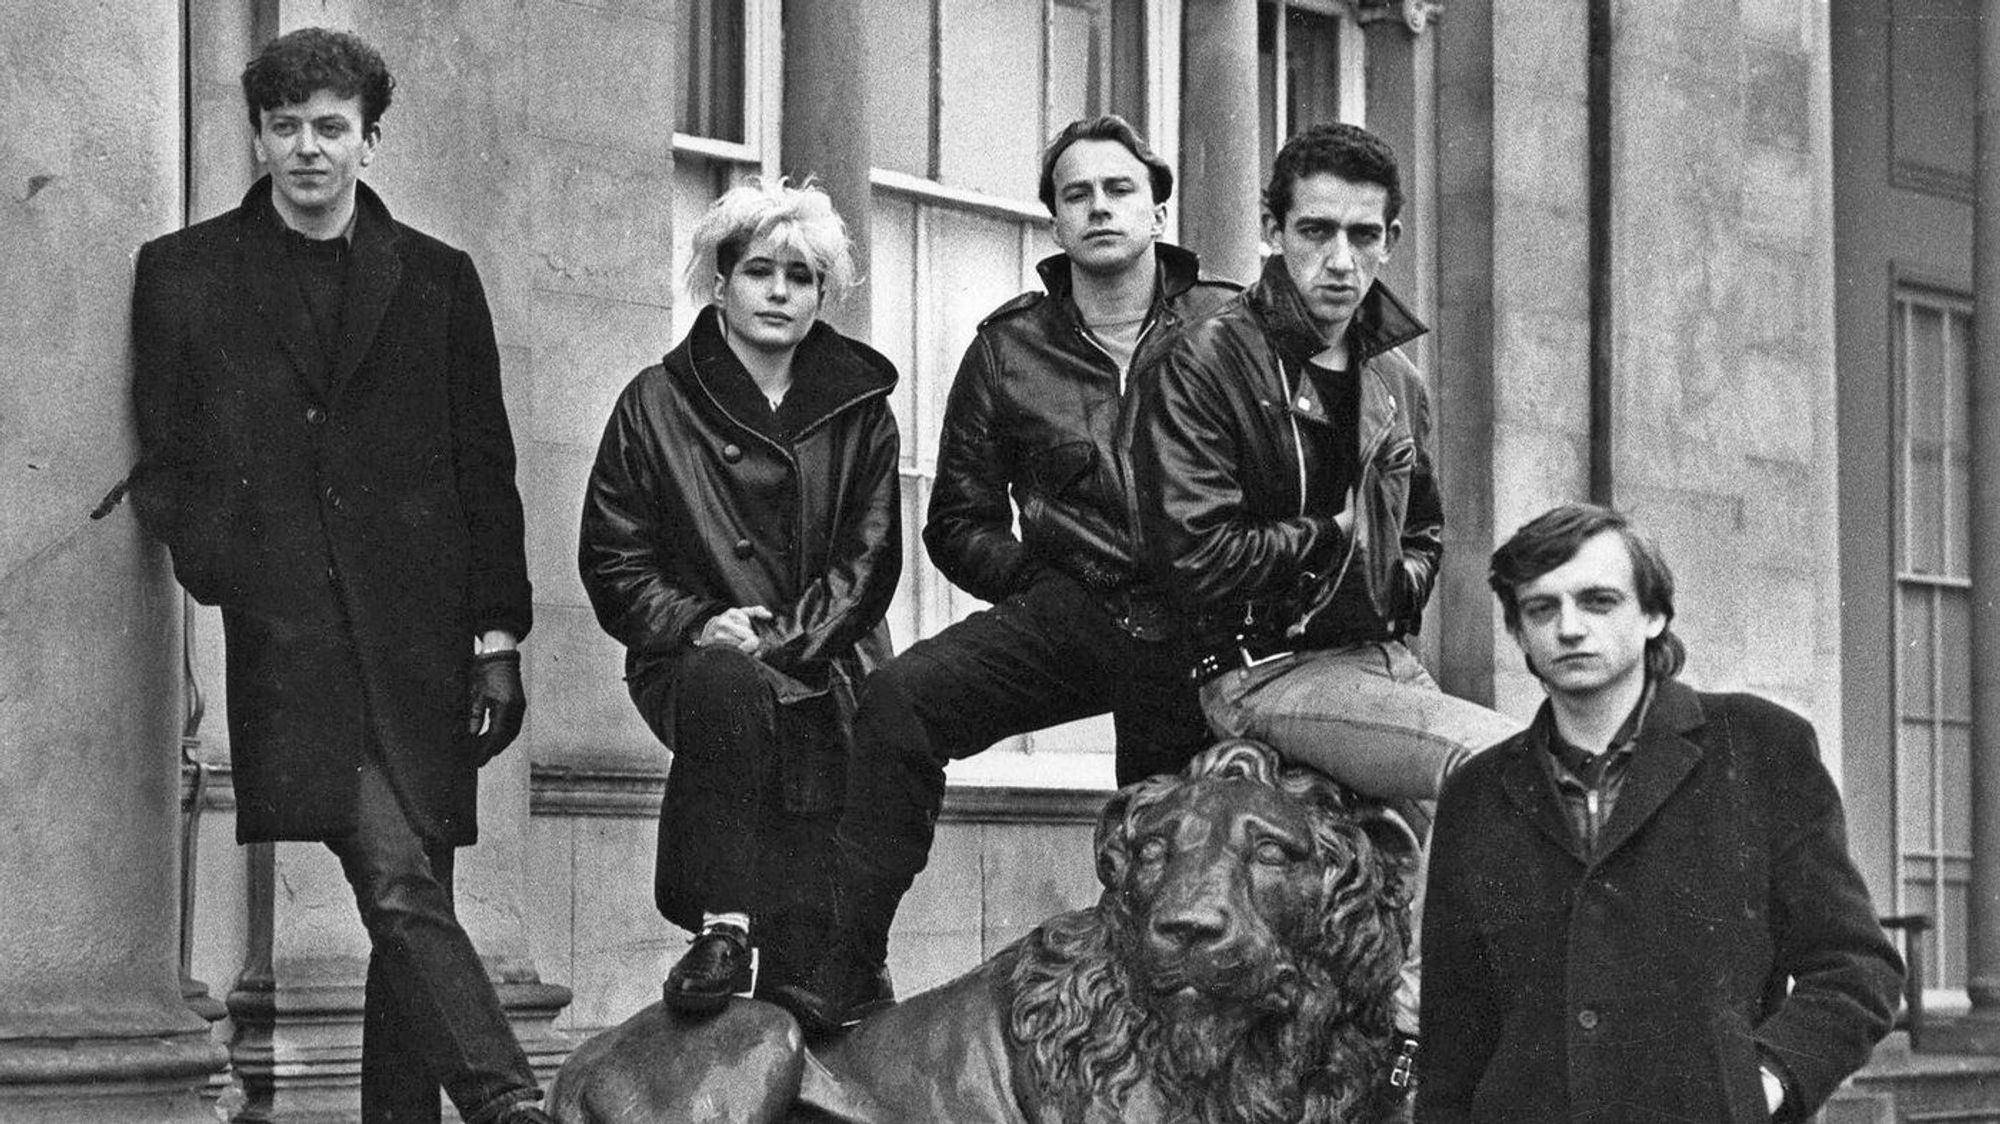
(1313, 1046)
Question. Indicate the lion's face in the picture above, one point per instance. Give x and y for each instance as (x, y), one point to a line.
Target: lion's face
(1244, 954)
(1225, 878)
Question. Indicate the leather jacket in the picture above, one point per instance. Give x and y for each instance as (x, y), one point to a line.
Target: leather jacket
(695, 505)
(1036, 415)
(1221, 463)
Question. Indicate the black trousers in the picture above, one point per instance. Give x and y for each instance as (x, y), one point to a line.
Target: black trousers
(430, 1015)
(1047, 655)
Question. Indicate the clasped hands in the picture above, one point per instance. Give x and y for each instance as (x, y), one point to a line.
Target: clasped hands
(734, 628)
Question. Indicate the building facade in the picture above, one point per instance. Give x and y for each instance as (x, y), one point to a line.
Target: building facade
(1712, 261)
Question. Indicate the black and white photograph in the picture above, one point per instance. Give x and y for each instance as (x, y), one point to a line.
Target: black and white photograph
(1000, 562)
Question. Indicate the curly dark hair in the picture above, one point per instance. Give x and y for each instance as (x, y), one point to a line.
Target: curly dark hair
(1109, 127)
(293, 66)
(1308, 1038)
(1348, 151)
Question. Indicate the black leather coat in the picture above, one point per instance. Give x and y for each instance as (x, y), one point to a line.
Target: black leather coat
(697, 503)
(1220, 466)
(1036, 414)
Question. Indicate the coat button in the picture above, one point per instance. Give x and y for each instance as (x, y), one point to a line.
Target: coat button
(315, 415)
(333, 499)
(744, 548)
(732, 453)
(1587, 1019)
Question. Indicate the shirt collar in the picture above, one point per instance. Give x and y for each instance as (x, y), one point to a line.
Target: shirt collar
(1590, 767)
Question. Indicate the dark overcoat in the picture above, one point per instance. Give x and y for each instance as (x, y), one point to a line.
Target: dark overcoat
(1647, 983)
(351, 509)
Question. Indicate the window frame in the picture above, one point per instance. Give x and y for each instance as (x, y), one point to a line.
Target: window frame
(1932, 865)
(1352, 46)
(763, 96)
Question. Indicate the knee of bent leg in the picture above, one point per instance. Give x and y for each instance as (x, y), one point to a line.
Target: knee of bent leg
(717, 674)
(393, 895)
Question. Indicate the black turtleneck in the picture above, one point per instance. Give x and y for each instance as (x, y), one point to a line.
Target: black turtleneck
(320, 267)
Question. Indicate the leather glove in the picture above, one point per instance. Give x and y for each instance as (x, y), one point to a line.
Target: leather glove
(495, 702)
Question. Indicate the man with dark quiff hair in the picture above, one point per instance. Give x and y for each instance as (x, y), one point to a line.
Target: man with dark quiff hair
(326, 454)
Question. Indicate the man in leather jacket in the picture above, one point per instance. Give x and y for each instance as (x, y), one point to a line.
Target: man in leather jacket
(1036, 421)
(1283, 459)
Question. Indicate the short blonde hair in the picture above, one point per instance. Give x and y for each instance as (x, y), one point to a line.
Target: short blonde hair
(800, 218)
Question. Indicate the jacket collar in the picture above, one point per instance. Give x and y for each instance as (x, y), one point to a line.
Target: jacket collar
(1380, 323)
(1662, 759)
(375, 268)
(1177, 270)
(829, 373)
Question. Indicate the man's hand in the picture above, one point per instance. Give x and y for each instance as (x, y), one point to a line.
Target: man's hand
(496, 702)
(735, 628)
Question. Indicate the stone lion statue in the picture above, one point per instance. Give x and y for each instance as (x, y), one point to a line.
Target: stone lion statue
(1239, 967)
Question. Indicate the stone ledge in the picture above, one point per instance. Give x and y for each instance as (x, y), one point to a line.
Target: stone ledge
(1012, 788)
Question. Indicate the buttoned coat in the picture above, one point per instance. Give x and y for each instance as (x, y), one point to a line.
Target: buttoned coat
(352, 509)
(1647, 982)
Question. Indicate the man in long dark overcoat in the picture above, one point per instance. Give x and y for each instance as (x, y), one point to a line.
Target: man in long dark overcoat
(1642, 908)
(326, 454)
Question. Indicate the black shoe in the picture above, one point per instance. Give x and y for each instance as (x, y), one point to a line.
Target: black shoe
(839, 992)
(718, 964)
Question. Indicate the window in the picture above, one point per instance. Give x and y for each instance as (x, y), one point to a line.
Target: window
(1933, 359)
(710, 99)
(1321, 78)
(725, 111)
(965, 92)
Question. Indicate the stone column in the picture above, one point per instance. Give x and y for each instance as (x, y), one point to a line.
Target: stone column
(1219, 181)
(93, 1027)
(1981, 1031)
(826, 128)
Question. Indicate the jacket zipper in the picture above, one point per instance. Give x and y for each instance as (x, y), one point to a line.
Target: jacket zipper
(1375, 443)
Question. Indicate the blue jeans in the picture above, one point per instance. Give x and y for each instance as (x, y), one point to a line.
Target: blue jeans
(1367, 715)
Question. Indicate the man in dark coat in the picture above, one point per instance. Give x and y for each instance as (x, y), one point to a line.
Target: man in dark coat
(1642, 907)
(1037, 421)
(326, 453)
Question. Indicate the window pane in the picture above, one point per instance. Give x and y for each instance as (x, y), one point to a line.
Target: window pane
(1958, 465)
(1128, 63)
(1312, 64)
(1097, 61)
(901, 65)
(1955, 787)
(1923, 508)
(990, 96)
(1913, 657)
(1954, 654)
(1913, 787)
(709, 101)
(1923, 377)
(1079, 60)
(1312, 73)
(1953, 924)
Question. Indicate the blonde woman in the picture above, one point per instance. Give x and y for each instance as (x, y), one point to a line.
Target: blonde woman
(741, 538)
